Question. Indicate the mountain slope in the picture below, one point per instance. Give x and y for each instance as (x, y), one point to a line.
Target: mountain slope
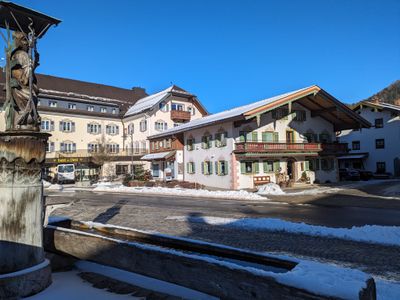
(390, 94)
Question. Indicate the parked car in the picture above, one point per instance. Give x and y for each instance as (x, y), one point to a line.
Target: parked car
(349, 174)
(365, 175)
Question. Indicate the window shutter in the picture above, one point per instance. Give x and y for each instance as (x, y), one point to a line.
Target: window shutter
(241, 136)
(211, 167)
(73, 126)
(242, 167)
(117, 130)
(73, 147)
(202, 167)
(276, 137)
(107, 129)
(256, 167)
(193, 167)
(265, 166)
(61, 125)
(264, 137)
(226, 168)
(51, 125)
(254, 137)
(307, 165)
(276, 166)
(88, 128)
(51, 146)
(217, 171)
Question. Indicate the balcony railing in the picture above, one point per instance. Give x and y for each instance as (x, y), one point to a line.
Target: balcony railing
(277, 147)
(180, 115)
(261, 147)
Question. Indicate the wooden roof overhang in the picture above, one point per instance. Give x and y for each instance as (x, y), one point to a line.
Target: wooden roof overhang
(321, 104)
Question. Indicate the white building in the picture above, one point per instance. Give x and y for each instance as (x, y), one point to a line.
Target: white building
(156, 113)
(287, 138)
(376, 149)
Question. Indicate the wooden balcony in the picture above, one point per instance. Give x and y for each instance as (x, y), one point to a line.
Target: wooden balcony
(283, 147)
(180, 115)
(259, 147)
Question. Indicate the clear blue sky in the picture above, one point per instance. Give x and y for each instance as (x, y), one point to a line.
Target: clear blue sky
(228, 53)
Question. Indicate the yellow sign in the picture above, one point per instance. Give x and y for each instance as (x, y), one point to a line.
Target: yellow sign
(68, 160)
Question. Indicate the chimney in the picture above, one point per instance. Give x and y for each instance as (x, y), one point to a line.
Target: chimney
(139, 91)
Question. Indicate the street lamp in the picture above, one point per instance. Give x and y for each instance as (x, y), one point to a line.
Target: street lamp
(23, 268)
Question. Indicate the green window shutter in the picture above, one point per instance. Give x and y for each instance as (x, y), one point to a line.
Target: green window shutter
(306, 165)
(211, 167)
(276, 137)
(187, 168)
(226, 168)
(248, 137)
(216, 168)
(193, 167)
(265, 166)
(254, 137)
(202, 167)
(256, 167)
(264, 136)
(276, 166)
(241, 136)
(242, 167)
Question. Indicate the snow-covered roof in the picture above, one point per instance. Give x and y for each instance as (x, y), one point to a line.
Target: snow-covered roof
(224, 115)
(160, 155)
(386, 105)
(358, 156)
(150, 101)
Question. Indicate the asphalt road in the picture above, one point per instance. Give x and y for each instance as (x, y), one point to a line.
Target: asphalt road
(108, 205)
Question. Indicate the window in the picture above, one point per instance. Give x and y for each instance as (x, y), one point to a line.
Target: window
(379, 123)
(71, 106)
(67, 126)
(380, 143)
(50, 146)
(137, 146)
(300, 115)
(190, 167)
(177, 106)
(220, 139)
(90, 108)
(192, 110)
(206, 168)
(268, 166)
(112, 129)
(143, 125)
(163, 106)
(355, 145)
(221, 167)
(380, 167)
(93, 128)
(93, 147)
(160, 126)
(190, 144)
(270, 137)
(67, 147)
(176, 124)
(144, 146)
(311, 137)
(121, 169)
(131, 128)
(206, 141)
(249, 167)
(112, 148)
(53, 103)
(168, 143)
(47, 125)
(103, 109)
(248, 136)
(324, 138)
(114, 111)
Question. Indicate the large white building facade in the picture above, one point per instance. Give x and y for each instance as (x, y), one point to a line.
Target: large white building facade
(376, 149)
(287, 138)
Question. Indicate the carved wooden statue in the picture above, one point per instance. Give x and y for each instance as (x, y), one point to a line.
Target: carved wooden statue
(21, 107)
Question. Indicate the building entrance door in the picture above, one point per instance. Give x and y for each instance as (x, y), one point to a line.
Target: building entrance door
(289, 137)
(290, 169)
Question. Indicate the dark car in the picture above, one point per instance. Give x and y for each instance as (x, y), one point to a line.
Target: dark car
(365, 175)
(349, 174)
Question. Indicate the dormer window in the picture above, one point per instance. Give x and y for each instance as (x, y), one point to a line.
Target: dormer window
(103, 110)
(71, 106)
(53, 103)
(90, 108)
(164, 106)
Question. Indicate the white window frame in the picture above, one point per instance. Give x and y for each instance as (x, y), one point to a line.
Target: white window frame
(71, 106)
(143, 125)
(53, 103)
(90, 108)
(103, 110)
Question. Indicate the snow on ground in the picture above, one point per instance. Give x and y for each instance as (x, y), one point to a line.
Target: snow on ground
(68, 285)
(52, 187)
(387, 290)
(389, 235)
(270, 189)
(239, 195)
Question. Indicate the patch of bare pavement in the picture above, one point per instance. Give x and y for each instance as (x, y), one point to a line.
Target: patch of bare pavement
(151, 213)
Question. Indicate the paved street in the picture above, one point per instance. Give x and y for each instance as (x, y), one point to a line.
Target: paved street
(150, 213)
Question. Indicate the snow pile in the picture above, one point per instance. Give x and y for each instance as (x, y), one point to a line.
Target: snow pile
(270, 189)
(315, 191)
(52, 187)
(389, 235)
(387, 290)
(239, 195)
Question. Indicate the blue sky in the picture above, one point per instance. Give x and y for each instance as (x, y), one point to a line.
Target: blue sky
(228, 53)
